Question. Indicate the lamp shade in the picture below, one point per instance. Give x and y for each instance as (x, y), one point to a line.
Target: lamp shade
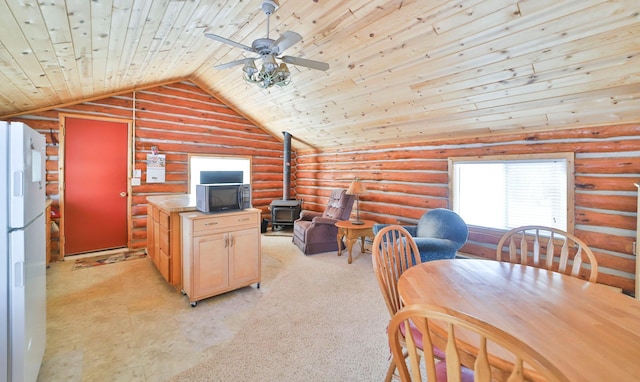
(357, 188)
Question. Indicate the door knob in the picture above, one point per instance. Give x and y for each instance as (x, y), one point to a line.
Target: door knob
(123, 194)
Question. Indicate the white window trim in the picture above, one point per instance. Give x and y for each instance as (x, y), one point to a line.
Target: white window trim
(569, 157)
(235, 158)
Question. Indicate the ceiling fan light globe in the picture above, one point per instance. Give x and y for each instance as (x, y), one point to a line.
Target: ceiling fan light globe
(269, 65)
(283, 73)
(283, 68)
(249, 68)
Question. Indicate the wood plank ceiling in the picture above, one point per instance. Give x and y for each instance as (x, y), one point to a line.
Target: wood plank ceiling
(401, 71)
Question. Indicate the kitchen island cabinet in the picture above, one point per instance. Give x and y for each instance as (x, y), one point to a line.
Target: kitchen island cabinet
(220, 252)
(163, 234)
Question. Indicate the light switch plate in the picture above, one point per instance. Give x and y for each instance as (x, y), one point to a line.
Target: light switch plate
(137, 173)
(135, 181)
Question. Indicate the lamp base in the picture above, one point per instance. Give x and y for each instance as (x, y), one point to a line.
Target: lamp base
(357, 222)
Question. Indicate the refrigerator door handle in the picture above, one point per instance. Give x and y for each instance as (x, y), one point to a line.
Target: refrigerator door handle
(18, 274)
(18, 183)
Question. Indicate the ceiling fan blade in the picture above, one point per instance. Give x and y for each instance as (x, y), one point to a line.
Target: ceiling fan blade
(227, 41)
(233, 63)
(285, 41)
(304, 62)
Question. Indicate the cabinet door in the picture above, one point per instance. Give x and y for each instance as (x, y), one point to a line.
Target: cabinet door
(162, 252)
(210, 264)
(244, 257)
(151, 227)
(156, 242)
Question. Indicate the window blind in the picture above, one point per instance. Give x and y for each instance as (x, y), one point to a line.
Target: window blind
(510, 193)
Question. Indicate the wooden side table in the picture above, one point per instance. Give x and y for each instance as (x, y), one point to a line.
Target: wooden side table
(352, 233)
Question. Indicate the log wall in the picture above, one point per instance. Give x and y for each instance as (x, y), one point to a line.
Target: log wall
(404, 181)
(179, 119)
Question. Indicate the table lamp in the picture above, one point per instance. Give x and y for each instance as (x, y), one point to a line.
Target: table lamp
(357, 188)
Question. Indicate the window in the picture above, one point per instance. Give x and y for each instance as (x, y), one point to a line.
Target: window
(199, 163)
(505, 192)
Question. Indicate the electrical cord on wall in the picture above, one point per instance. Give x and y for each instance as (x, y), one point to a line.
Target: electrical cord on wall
(54, 140)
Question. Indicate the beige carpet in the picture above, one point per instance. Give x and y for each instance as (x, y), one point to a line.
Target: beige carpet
(320, 319)
(279, 232)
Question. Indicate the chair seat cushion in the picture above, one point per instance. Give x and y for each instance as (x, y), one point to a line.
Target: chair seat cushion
(417, 337)
(436, 249)
(466, 374)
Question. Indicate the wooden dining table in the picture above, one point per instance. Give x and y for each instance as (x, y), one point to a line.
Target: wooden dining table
(590, 331)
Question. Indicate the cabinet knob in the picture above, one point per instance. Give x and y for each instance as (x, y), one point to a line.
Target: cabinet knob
(212, 223)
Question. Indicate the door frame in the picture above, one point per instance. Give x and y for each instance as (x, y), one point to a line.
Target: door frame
(61, 167)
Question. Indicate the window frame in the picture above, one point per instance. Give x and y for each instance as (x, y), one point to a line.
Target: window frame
(249, 159)
(569, 157)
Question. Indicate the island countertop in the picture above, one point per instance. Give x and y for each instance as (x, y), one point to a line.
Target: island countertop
(174, 203)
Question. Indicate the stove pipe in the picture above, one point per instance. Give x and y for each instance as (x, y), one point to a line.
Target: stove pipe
(286, 167)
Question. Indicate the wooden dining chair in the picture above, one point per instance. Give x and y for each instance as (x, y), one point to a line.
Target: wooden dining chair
(481, 338)
(549, 248)
(393, 252)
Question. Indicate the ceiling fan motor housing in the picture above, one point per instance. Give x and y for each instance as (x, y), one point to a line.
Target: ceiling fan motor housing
(264, 46)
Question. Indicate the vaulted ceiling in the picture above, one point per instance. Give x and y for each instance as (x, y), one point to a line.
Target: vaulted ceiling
(400, 71)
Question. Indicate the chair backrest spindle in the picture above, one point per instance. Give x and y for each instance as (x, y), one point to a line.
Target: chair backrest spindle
(550, 252)
(575, 257)
(465, 334)
(536, 248)
(393, 252)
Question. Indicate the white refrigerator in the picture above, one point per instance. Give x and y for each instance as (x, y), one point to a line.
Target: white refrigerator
(22, 246)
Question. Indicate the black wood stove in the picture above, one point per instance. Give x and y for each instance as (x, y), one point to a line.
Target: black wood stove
(284, 212)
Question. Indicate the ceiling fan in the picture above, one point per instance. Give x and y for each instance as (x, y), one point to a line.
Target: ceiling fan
(271, 73)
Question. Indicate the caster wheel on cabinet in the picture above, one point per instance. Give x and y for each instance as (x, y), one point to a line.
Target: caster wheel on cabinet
(194, 304)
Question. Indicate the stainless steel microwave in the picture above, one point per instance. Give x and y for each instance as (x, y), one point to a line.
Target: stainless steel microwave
(222, 197)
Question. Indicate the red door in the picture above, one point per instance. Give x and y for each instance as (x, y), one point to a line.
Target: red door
(95, 181)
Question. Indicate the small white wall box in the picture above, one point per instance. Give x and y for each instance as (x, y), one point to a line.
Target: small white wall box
(155, 168)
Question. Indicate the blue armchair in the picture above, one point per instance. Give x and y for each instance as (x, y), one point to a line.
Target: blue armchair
(438, 235)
